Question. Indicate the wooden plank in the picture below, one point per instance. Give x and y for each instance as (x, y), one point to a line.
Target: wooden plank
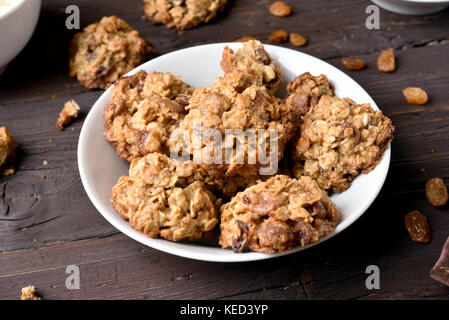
(117, 267)
(334, 29)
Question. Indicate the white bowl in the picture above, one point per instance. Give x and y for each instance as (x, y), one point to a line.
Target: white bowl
(100, 167)
(17, 24)
(413, 7)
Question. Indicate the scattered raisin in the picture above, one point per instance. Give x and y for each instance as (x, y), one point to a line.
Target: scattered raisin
(415, 95)
(245, 38)
(353, 64)
(279, 36)
(385, 61)
(297, 40)
(436, 192)
(280, 9)
(417, 226)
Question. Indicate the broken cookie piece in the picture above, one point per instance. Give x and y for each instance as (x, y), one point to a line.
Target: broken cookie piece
(277, 215)
(29, 293)
(158, 199)
(8, 146)
(339, 140)
(67, 114)
(105, 51)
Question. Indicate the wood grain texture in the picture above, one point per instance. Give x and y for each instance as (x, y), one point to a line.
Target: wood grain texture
(48, 223)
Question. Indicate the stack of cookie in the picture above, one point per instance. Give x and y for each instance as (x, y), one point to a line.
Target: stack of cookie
(182, 183)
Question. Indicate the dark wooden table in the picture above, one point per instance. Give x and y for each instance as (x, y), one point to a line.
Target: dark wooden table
(47, 224)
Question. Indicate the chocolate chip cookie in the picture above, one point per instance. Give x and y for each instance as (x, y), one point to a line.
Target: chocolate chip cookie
(182, 14)
(277, 215)
(105, 51)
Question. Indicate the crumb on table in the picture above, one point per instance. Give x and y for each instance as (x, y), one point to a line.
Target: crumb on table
(68, 113)
(29, 293)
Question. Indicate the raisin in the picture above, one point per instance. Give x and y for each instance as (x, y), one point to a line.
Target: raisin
(417, 226)
(261, 55)
(353, 64)
(279, 36)
(385, 61)
(141, 140)
(90, 56)
(245, 38)
(240, 241)
(415, 95)
(436, 192)
(280, 9)
(297, 40)
(183, 100)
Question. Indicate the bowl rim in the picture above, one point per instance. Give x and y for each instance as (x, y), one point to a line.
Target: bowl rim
(13, 8)
(246, 257)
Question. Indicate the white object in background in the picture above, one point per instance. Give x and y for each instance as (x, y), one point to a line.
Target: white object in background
(18, 19)
(100, 167)
(412, 7)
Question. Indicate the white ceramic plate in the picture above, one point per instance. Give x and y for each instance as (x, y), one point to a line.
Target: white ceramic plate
(100, 167)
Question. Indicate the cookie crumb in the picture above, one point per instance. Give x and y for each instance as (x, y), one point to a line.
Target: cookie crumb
(8, 146)
(280, 9)
(29, 293)
(67, 114)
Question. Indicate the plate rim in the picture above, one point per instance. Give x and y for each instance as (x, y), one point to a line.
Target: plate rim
(158, 243)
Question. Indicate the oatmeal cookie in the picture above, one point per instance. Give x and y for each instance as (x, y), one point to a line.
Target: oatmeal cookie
(277, 215)
(158, 200)
(105, 51)
(217, 115)
(8, 148)
(143, 111)
(339, 140)
(182, 14)
(254, 66)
